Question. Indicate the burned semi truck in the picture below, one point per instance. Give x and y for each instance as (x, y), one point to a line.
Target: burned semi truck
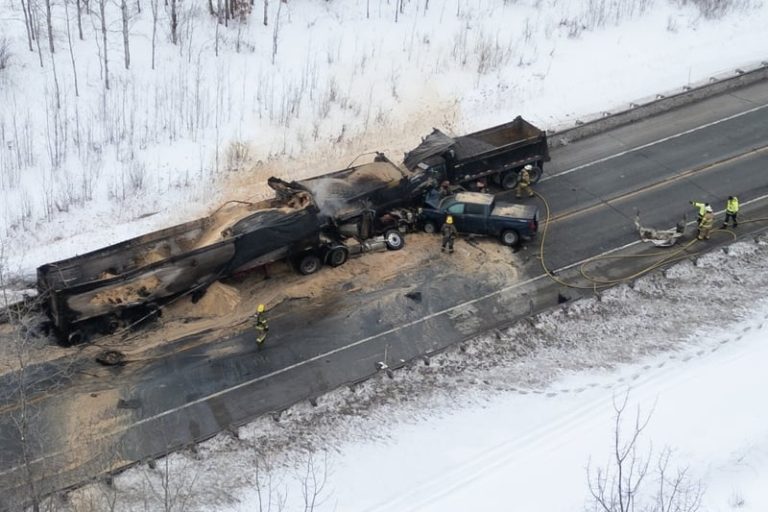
(318, 221)
(109, 288)
(370, 200)
(497, 153)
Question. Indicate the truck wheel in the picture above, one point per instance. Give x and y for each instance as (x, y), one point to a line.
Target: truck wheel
(309, 264)
(338, 256)
(510, 237)
(535, 174)
(394, 240)
(510, 180)
(75, 338)
(429, 227)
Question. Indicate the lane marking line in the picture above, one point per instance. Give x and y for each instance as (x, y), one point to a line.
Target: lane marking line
(653, 143)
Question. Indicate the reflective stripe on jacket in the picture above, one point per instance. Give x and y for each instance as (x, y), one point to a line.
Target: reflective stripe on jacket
(702, 207)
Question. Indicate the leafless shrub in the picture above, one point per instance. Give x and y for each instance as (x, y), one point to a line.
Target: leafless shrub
(621, 485)
(736, 500)
(313, 480)
(237, 156)
(5, 52)
(714, 9)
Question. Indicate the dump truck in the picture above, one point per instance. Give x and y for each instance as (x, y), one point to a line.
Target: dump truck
(496, 154)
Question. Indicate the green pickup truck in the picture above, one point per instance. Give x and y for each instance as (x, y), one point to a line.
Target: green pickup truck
(480, 214)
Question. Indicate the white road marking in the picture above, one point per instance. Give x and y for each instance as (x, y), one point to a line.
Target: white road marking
(659, 141)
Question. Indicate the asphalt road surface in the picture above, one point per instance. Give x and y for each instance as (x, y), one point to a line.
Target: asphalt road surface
(87, 419)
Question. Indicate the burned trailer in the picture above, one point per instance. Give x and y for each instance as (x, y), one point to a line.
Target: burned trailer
(497, 154)
(122, 284)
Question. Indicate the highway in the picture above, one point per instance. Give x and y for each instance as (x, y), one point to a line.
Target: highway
(96, 419)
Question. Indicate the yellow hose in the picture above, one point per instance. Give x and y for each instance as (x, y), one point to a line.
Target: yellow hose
(662, 258)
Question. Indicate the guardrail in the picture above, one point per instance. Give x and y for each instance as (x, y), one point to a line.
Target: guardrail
(659, 103)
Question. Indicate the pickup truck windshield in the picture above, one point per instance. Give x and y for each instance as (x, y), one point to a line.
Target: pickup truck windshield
(451, 205)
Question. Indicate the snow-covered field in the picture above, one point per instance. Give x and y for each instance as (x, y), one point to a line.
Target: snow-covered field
(512, 422)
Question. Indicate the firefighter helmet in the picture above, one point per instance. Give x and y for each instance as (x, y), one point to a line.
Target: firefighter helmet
(260, 309)
(449, 220)
(528, 167)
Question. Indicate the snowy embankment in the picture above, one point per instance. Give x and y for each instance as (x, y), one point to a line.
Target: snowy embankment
(90, 157)
(518, 414)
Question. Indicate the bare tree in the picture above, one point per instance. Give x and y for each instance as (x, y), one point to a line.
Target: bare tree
(619, 486)
(314, 480)
(80, 19)
(103, 19)
(27, 23)
(126, 44)
(266, 6)
(153, 5)
(69, 42)
(174, 23)
(5, 52)
(49, 23)
(276, 32)
(18, 316)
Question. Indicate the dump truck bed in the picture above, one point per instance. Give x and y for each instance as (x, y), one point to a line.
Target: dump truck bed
(518, 136)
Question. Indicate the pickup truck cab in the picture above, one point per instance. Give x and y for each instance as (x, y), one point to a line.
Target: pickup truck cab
(480, 214)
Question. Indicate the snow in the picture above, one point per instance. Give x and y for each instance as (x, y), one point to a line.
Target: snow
(512, 422)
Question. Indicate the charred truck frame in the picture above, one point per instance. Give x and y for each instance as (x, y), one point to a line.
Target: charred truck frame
(318, 221)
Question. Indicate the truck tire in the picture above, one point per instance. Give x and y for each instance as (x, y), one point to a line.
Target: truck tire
(509, 180)
(510, 237)
(535, 174)
(429, 227)
(394, 240)
(337, 256)
(309, 264)
(75, 338)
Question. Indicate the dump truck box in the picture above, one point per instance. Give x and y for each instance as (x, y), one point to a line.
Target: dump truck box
(497, 153)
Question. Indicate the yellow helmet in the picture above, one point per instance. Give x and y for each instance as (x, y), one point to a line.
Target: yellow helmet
(449, 220)
(260, 309)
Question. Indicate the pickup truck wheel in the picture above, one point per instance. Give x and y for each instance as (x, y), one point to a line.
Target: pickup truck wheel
(429, 227)
(535, 174)
(510, 180)
(394, 240)
(309, 264)
(338, 256)
(510, 237)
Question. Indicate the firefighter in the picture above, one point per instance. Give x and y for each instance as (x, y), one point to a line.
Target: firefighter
(445, 189)
(701, 208)
(449, 234)
(259, 324)
(731, 211)
(524, 185)
(705, 224)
